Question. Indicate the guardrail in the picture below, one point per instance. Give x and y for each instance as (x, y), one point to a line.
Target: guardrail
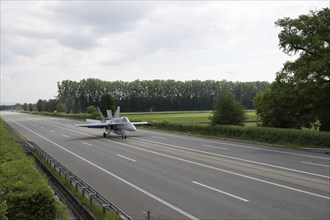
(80, 184)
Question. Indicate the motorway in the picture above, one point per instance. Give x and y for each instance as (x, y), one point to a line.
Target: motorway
(186, 177)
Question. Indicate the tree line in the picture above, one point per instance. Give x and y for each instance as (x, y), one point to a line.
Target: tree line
(155, 95)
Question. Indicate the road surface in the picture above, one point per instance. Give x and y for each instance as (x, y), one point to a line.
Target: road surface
(186, 177)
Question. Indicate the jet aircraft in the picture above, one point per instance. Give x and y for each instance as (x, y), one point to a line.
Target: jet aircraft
(118, 125)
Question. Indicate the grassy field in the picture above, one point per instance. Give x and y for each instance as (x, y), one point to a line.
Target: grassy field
(187, 118)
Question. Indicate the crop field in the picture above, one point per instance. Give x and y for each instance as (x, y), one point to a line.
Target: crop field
(187, 118)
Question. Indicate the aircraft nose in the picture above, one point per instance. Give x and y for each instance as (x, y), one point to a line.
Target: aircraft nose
(130, 127)
(133, 128)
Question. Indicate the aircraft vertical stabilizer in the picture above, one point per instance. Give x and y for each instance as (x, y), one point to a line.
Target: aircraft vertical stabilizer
(101, 115)
(109, 113)
(117, 113)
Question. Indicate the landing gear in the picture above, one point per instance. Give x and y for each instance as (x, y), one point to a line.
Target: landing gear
(107, 132)
(124, 136)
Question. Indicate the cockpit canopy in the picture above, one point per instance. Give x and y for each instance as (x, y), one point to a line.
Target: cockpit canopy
(125, 119)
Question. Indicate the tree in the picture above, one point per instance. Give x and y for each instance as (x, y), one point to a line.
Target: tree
(39, 105)
(280, 107)
(25, 107)
(30, 107)
(107, 102)
(60, 107)
(305, 81)
(227, 111)
(92, 111)
(52, 105)
(45, 106)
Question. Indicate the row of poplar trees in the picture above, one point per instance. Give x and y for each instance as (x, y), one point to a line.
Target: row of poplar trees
(155, 95)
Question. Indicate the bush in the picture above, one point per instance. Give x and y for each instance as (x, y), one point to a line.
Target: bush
(228, 111)
(287, 137)
(25, 192)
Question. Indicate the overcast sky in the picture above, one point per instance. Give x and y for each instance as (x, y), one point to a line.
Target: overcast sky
(45, 42)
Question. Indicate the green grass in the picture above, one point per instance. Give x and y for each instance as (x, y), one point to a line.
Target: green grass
(183, 118)
(186, 118)
(24, 193)
(178, 117)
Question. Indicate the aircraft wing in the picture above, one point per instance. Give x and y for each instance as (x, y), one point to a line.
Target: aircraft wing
(94, 125)
(116, 123)
(107, 122)
(142, 123)
(92, 121)
(98, 124)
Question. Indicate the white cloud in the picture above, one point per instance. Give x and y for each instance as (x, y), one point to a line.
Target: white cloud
(45, 42)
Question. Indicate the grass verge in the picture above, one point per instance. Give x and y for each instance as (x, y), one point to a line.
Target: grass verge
(24, 193)
(95, 209)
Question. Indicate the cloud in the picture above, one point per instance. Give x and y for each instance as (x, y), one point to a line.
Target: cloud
(101, 17)
(77, 42)
(43, 42)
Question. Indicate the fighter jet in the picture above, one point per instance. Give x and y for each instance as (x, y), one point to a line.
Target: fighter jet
(116, 124)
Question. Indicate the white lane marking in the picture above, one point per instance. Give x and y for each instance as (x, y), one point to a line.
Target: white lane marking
(315, 164)
(65, 135)
(299, 171)
(222, 170)
(83, 142)
(114, 175)
(162, 138)
(195, 163)
(127, 158)
(217, 190)
(52, 131)
(239, 145)
(220, 148)
(234, 158)
(42, 127)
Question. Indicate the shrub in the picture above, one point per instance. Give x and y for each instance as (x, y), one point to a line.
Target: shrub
(228, 111)
(287, 137)
(25, 192)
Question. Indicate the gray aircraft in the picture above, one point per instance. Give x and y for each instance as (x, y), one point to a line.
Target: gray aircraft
(116, 124)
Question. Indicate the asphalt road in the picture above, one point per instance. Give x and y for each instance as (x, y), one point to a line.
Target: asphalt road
(185, 177)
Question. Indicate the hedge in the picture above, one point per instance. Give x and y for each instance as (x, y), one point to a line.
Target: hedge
(286, 137)
(24, 193)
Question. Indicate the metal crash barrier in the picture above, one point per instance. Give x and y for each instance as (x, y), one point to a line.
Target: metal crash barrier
(80, 184)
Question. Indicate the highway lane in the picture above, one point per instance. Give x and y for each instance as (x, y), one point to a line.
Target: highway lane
(177, 176)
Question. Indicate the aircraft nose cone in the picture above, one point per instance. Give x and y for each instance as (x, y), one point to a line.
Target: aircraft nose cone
(133, 128)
